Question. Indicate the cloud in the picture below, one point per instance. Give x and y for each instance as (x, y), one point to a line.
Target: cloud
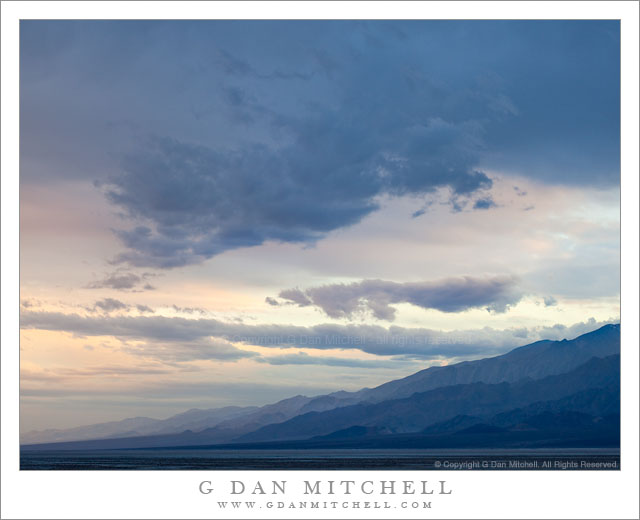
(296, 296)
(122, 281)
(484, 203)
(510, 76)
(496, 294)
(209, 349)
(194, 202)
(189, 310)
(274, 158)
(181, 339)
(164, 339)
(110, 304)
(93, 371)
(302, 358)
(234, 66)
(550, 301)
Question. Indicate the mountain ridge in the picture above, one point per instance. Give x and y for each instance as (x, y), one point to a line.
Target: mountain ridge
(418, 411)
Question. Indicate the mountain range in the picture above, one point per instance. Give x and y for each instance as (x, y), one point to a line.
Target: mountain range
(548, 393)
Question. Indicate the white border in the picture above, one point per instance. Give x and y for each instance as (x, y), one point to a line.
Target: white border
(175, 494)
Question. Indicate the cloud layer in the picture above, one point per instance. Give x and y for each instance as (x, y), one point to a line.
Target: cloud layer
(449, 295)
(180, 339)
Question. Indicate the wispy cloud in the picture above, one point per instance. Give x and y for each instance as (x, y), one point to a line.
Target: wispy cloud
(205, 349)
(484, 203)
(64, 373)
(302, 358)
(189, 310)
(123, 281)
(110, 304)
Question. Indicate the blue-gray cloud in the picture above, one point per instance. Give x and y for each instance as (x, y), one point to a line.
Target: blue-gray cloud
(302, 358)
(552, 86)
(197, 202)
(484, 203)
(207, 349)
(288, 130)
(295, 296)
(189, 310)
(181, 340)
(123, 281)
(110, 304)
(495, 293)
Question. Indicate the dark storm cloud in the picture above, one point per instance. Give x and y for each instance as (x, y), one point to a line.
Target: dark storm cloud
(234, 66)
(449, 295)
(552, 85)
(385, 108)
(180, 339)
(201, 202)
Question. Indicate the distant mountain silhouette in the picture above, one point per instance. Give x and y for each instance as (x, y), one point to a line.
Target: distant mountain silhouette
(194, 419)
(422, 409)
(547, 380)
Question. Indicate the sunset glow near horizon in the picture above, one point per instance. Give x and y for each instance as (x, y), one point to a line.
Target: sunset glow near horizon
(220, 213)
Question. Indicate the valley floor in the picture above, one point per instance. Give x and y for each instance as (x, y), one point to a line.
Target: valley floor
(346, 459)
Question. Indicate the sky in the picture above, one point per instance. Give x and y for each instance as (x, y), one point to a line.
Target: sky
(236, 212)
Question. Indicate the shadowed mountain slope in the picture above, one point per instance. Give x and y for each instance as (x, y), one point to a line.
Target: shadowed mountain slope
(422, 409)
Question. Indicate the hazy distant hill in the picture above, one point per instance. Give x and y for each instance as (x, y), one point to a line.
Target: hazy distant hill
(194, 419)
(579, 375)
